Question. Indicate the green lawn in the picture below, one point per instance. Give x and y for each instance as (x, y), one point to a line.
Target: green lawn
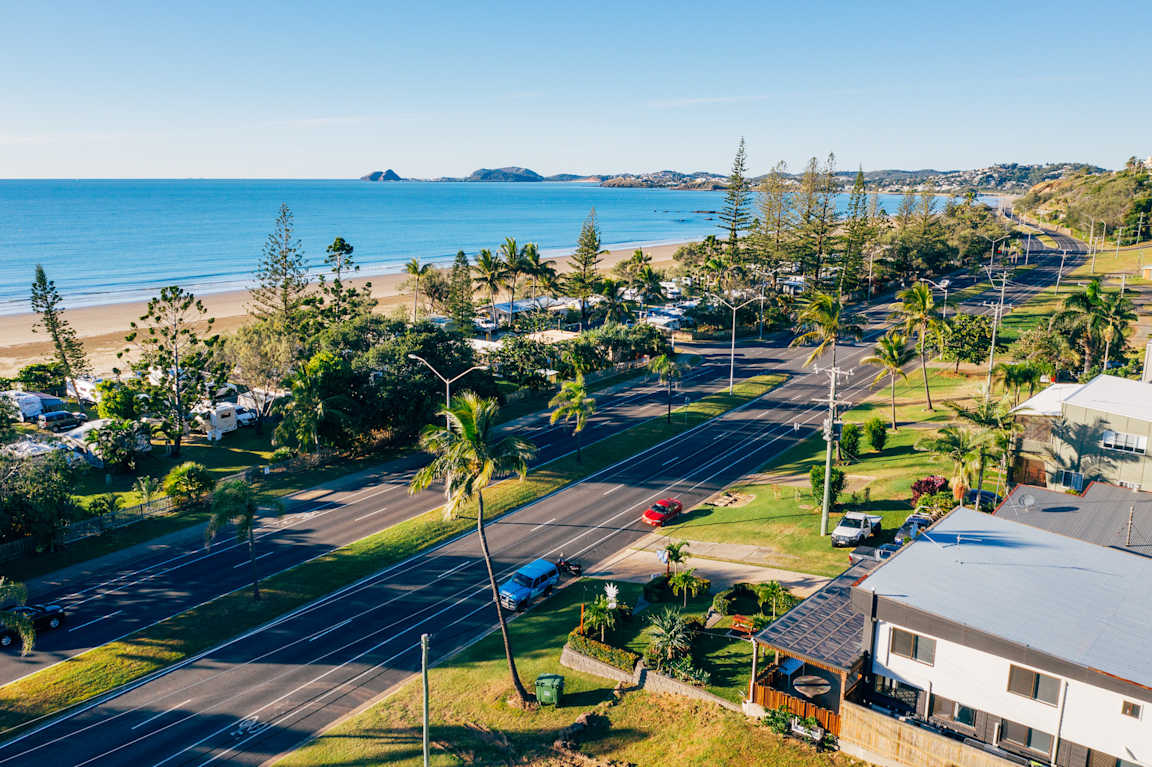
(480, 728)
(171, 640)
(785, 519)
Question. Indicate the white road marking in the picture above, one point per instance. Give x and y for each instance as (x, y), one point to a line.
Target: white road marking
(95, 620)
(162, 713)
(369, 514)
(329, 630)
(446, 573)
(245, 562)
(542, 524)
(612, 489)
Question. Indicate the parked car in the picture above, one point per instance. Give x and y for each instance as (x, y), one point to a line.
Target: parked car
(43, 617)
(855, 527)
(246, 416)
(59, 420)
(988, 499)
(662, 512)
(534, 579)
(911, 528)
(877, 553)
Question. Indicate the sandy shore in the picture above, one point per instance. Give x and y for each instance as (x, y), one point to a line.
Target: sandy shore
(103, 327)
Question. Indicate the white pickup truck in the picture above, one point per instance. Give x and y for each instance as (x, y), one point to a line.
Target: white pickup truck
(855, 527)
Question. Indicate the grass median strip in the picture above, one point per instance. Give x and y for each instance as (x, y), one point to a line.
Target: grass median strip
(107, 667)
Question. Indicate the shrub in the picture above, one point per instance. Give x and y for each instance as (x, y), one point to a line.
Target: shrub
(877, 434)
(850, 441)
(188, 483)
(282, 454)
(931, 485)
(936, 504)
(816, 476)
(684, 670)
(656, 590)
(779, 720)
(625, 660)
(723, 602)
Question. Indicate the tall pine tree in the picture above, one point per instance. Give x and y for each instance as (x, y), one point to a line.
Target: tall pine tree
(774, 228)
(66, 345)
(281, 289)
(736, 215)
(584, 276)
(856, 235)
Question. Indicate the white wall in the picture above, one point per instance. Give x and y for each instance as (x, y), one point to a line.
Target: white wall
(979, 680)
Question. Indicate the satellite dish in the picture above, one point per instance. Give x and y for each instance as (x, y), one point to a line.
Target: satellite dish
(1029, 501)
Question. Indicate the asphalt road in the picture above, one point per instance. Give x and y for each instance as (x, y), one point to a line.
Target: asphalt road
(266, 691)
(117, 595)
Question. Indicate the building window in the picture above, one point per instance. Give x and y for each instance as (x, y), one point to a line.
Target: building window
(1026, 737)
(1125, 443)
(1071, 479)
(1030, 684)
(950, 710)
(903, 696)
(1130, 485)
(1128, 708)
(913, 646)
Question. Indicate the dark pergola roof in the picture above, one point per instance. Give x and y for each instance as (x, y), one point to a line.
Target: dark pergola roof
(823, 628)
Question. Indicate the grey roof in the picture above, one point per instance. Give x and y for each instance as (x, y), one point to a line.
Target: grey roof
(1084, 604)
(1100, 515)
(823, 627)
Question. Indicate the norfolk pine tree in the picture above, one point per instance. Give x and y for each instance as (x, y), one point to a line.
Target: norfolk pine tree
(67, 347)
(281, 289)
(584, 275)
(736, 214)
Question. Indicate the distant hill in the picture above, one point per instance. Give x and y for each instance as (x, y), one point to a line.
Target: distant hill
(668, 179)
(1004, 177)
(382, 175)
(1120, 200)
(510, 173)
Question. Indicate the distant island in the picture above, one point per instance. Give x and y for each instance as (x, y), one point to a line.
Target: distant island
(1003, 177)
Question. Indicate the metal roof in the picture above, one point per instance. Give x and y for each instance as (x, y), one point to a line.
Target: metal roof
(1107, 515)
(1115, 396)
(823, 627)
(1048, 402)
(1076, 601)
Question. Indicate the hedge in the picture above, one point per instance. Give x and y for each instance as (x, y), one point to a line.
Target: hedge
(625, 660)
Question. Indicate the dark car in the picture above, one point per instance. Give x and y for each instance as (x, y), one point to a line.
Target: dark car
(58, 420)
(43, 617)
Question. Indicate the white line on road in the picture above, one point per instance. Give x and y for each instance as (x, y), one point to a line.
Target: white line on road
(245, 562)
(330, 629)
(369, 514)
(162, 713)
(95, 620)
(446, 573)
(542, 524)
(612, 489)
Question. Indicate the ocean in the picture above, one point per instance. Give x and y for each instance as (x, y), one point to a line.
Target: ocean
(113, 241)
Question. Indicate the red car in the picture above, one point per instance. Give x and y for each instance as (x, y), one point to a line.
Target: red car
(662, 512)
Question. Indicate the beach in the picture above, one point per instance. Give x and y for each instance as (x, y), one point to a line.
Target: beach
(102, 328)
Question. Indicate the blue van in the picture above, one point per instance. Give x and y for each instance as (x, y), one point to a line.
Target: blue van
(530, 581)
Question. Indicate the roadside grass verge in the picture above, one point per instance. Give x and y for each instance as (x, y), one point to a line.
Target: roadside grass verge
(472, 726)
(106, 667)
(783, 518)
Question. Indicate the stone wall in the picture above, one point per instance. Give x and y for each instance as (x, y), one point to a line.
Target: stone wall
(643, 678)
(888, 742)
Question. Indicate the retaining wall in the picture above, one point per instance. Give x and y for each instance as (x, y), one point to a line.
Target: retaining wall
(888, 742)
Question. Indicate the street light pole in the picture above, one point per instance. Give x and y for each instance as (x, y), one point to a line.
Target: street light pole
(447, 381)
(992, 255)
(940, 286)
(732, 352)
(1059, 274)
(998, 312)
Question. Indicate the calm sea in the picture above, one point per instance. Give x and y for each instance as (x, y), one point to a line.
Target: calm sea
(113, 241)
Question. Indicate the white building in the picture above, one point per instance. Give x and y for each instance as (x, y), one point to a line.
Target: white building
(1017, 637)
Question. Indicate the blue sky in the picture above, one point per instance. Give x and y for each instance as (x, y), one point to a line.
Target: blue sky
(336, 89)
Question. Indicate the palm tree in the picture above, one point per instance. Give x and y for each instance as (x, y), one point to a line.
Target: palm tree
(963, 447)
(572, 403)
(890, 354)
(598, 616)
(674, 554)
(468, 456)
(667, 369)
(770, 593)
(539, 272)
(1015, 376)
(638, 261)
(669, 636)
(1116, 314)
(616, 309)
(646, 282)
(416, 270)
(1081, 312)
(514, 266)
(825, 319)
(237, 502)
(490, 275)
(14, 594)
(917, 314)
(686, 583)
(997, 429)
(147, 488)
(309, 410)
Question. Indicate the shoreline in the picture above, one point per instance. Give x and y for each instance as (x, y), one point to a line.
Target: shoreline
(102, 327)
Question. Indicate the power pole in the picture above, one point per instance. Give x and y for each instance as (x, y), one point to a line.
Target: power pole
(1027, 248)
(424, 674)
(1119, 235)
(998, 311)
(830, 437)
(1059, 274)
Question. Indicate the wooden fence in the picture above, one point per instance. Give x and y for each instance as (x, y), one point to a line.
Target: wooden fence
(771, 698)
